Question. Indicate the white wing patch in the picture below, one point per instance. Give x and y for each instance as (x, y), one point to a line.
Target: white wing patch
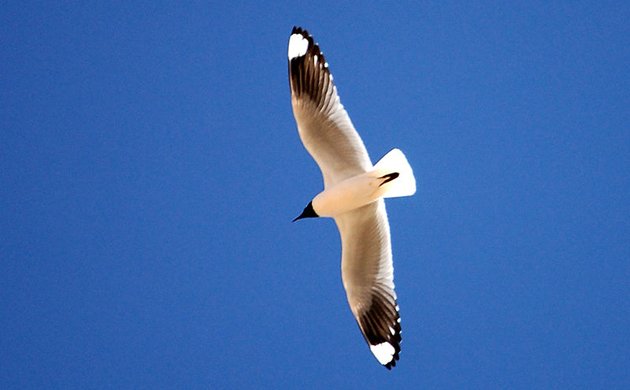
(297, 46)
(384, 352)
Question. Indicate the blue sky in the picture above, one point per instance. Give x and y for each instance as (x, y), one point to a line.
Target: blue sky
(150, 169)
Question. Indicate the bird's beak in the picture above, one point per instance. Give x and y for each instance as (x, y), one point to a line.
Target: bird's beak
(308, 212)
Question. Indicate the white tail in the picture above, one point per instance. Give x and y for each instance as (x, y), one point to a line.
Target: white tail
(405, 183)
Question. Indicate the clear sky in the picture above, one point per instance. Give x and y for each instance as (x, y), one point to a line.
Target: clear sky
(150, 169)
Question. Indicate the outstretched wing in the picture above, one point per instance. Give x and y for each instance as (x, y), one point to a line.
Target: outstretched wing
(368, 277)
(324, 125)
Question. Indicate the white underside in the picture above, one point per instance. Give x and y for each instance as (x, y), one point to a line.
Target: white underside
(367, 187)
(348, 195)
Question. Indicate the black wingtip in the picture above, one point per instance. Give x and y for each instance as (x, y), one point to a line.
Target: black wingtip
(299, 30)
(308, 72)
(380, 323)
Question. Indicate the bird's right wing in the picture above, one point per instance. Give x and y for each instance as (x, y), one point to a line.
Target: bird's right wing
(324, 125)
(368, 277)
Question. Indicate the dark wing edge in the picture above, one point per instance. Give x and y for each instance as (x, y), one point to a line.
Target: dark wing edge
(380, 326)
(309, 75)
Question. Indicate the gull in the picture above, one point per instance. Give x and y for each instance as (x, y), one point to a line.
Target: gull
(353, 195)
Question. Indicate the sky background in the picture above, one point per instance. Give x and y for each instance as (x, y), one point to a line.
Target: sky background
(150, 168)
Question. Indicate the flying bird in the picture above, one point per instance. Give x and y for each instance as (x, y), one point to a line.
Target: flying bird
(353, 195)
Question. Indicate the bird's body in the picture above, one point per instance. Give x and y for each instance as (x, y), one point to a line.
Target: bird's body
(353, 195)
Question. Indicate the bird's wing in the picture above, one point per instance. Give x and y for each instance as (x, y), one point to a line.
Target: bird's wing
(368, 277)
(324, 125)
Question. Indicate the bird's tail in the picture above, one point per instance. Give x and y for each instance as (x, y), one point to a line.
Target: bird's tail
(400, 180)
